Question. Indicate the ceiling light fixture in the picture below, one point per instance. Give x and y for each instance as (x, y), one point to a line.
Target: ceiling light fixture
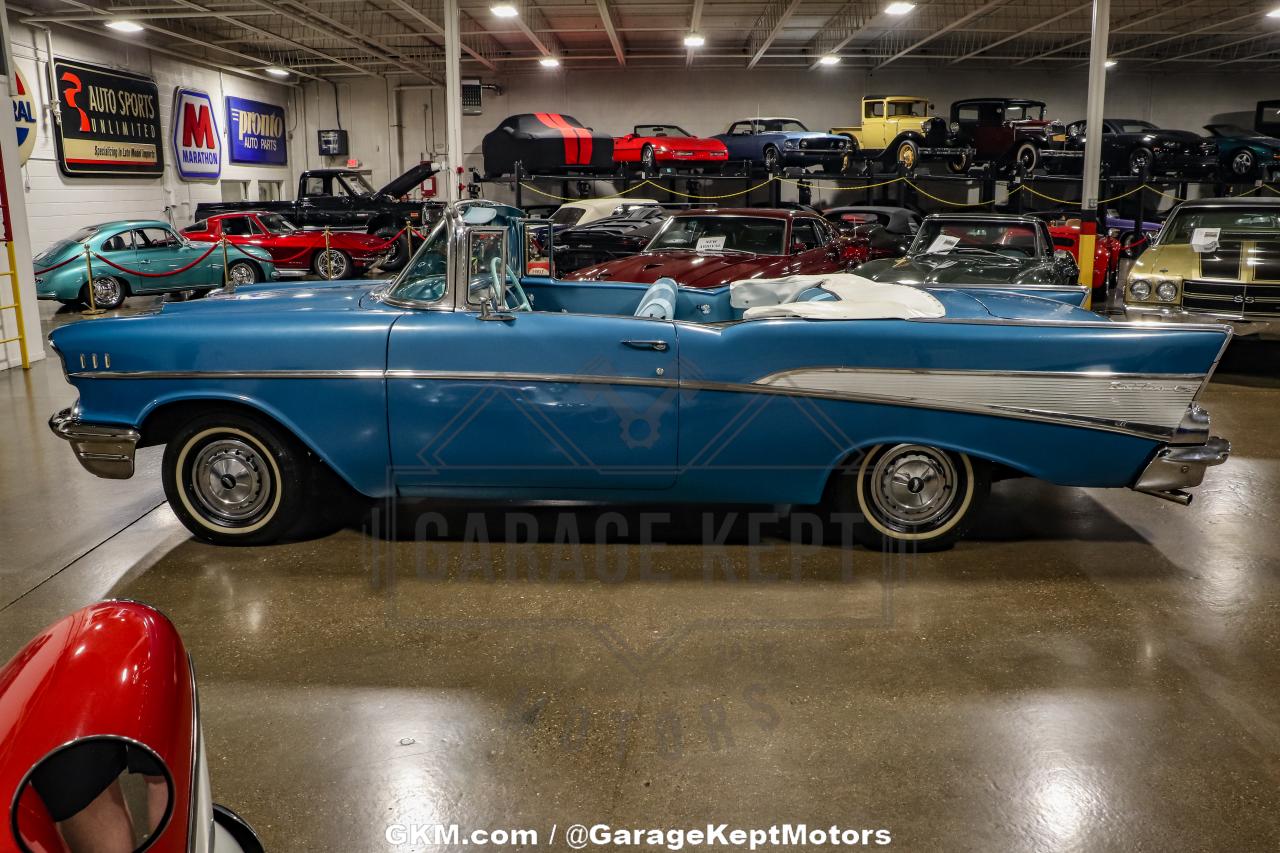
(899, 8)
(504, 10)
(1274, 13)
(122, 26)
(694, 40)
(549, 62)
(276, 71)
(1110, 63)
(829, 59)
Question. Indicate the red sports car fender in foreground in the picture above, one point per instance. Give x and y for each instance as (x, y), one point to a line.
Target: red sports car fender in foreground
(351, 252)
(727, 245)
(101, 698)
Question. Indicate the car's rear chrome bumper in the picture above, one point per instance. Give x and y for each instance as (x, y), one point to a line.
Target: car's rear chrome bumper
(1178, 467)
(104, 450)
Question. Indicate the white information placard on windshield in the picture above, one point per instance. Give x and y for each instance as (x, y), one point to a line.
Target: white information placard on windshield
(942, 244)
(710, 244)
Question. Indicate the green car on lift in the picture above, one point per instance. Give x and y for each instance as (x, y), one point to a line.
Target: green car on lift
(140, 256)
(1244, 154)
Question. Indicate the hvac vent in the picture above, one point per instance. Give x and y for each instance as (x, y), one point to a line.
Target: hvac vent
(471, 105)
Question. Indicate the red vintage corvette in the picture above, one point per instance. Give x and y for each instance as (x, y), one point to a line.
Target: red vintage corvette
(100, 742)
(1106, 252)
(656, 145)
(349, 253)
(711, 248)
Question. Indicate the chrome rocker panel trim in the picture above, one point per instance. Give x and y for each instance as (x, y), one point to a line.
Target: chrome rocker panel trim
(105, 451)
(1173, 469)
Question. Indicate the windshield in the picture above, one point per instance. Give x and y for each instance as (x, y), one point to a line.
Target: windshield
(276, 224)
(1241, 223)
(780, 125)
(1011, 239)
(425, 279)
(1135, 126)
(568, 215)
(1021, 112)
(722, 234)
(659, 130)
(356, 183)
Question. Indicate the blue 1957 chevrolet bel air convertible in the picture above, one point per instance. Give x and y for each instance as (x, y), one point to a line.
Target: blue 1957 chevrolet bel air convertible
(474, 375)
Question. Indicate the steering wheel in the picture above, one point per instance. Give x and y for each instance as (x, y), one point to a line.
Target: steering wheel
(500, 284)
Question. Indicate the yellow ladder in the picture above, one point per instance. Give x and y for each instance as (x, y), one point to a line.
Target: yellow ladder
(16, 305)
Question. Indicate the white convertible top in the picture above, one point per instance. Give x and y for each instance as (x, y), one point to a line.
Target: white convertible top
(856, 298)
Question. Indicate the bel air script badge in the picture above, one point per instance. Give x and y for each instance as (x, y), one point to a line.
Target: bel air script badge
(1152, 386)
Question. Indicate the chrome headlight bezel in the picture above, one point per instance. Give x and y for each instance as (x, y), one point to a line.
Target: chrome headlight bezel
(1167, 291)
(1139, 290)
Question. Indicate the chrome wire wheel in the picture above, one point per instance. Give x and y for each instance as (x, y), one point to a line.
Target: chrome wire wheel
(242, 272)
(913, 486)
(231, 481)
(331, 264)
(107, 292)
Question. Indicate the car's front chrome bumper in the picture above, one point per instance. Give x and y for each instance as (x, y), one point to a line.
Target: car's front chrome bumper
(104, 450)
(1176, 314)
(1178, 467)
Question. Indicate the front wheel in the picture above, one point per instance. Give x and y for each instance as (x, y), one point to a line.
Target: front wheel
(908, 154)
(1027, 156)
(235, 479)
(1140, 161)
(912, 496)
(242, 272)
(331, 264)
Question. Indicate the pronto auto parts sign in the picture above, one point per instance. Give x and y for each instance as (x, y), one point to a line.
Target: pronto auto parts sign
(108, 122)
(197, 145)
(24, 116)
(256, 132)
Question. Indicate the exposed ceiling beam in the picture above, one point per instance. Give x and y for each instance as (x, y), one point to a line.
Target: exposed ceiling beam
(841, 29)
(1201, 29)
(943, 30)
(1186, 54)
(532, 22)
(767, 26)
(1020, 33)
(695, 26)
(1133, 21)
(607, 19)
(475, 51)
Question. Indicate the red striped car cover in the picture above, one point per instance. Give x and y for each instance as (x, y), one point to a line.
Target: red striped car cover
(577, 140)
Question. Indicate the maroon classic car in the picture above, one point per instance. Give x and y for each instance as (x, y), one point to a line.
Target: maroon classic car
(710, 248)
(1009, 132)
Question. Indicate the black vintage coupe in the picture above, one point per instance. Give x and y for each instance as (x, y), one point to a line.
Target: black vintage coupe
(1132, 146)
(624, 234)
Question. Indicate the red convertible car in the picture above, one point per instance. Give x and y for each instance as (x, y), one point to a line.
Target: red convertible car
(292, 248)
(710, 248)
(1106, 252)
(657, 145)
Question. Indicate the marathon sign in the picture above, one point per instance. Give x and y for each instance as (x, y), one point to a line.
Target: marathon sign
(197, 145)
(108, 122)
(256, 133)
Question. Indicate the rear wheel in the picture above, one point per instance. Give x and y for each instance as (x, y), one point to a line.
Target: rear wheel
(912, 496)
(771, 159)
(648, 160)
(959, 165)
(109, 293)
(331, 264)
(236, 479)
(242, 273)
(1243, 163)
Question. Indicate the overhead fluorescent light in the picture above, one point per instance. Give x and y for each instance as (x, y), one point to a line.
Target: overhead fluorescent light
(1274, 13)
(549, 62)
(504, 10)
(694, 40)
(122, 26)
(1110, 63)
(829, 59)
(278, 72)
(899, 8)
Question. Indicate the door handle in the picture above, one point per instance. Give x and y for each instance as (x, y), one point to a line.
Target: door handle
(657, 346)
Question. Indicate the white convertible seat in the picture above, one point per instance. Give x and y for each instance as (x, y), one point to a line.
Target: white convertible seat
(854, 298)
(659, 301)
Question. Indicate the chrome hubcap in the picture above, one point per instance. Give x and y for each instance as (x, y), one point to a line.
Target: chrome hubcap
(242, 274)
(914, 485)
(331, 263)
(106, 291)
(231, 480)
(1243, 163)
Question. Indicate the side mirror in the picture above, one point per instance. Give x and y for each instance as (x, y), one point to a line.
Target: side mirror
(487, 312)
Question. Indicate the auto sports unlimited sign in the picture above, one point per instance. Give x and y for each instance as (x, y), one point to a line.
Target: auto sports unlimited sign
(197, 145)
(256, 133)
(109, 122)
